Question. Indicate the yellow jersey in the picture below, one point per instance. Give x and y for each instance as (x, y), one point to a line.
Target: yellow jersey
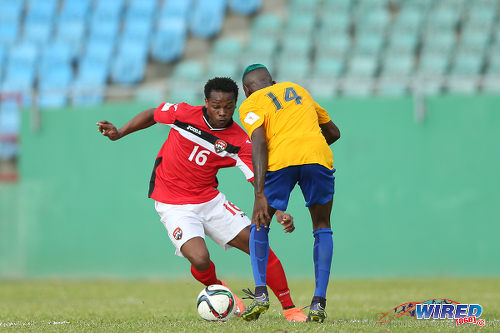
(291, 119)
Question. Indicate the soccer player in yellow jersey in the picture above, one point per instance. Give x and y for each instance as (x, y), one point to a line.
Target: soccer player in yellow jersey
(290, 136)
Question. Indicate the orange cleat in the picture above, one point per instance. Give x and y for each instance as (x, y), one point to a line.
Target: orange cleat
(294, 314)
(240, 307)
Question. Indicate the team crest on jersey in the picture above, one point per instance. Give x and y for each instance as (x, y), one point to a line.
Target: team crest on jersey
(177, 233)
(220, 146)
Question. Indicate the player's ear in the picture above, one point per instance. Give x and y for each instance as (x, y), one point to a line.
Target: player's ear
(274, 82)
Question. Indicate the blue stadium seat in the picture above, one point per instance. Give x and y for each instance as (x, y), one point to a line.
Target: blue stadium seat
(41, 11)
(169, 40)
(300, 24)
(127, 69)
(134, 47)
(37, 32)
(245, 7)
(300, 46)
(87, 92)
(99, 50)
(403, 41)
(304, 5)
(10, 11)
(332, 43)
(54, 87)
(467, 63)
(474, 39)
(409, 18)
(433, 64)
(293, 70)
(137, 29)
(207, 18)
(3, 60)
(107, 10)
(176, 8)
(74, 10)
(105, 29)
(141, 10)
(266, 46)
(9, 32)
(491, 83)
(335, 23)
(71, 33)
(93, 71)
(369, 43)
(53, 55)
(10, 121)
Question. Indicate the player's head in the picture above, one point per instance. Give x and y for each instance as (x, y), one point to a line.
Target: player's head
(221, 94)
(256, 77)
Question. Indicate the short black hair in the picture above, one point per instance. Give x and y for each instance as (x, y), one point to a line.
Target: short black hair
(223, 84)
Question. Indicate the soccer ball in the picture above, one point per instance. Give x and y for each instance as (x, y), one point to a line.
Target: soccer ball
(216, 303)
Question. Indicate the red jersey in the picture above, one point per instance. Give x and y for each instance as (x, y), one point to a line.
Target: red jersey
(187, 164)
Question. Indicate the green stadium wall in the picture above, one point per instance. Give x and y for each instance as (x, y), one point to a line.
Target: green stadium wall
(412, 199)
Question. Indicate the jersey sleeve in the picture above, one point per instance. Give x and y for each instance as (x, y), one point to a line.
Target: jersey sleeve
(244, 160)
(251, 116)
(166, 113)
(323, 116)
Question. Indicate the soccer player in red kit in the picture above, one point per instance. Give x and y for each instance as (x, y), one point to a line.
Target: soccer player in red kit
(202, 140)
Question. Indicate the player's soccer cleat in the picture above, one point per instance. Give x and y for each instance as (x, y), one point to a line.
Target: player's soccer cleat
(317, 313)
(294, 314)
(259, 305)
(239, 305)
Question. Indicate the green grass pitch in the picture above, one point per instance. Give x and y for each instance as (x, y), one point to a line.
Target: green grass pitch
(169, 306)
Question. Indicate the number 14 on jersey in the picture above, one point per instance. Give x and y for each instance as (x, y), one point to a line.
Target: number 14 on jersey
(290, 95)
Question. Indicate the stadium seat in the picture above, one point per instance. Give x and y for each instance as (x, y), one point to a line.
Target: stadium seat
(180, 94)
(128, 69)
(141, 10)
(74, 10)
(409, 18)
(300, 24)
(137, 29)
(11, 11)
(403, 41)
(37, 32)
(188, 70)
(293, 70)
(462, 85)
(53, 55)
(392, 86)
(41, 11)
(304, 5)
(108, 29)
(245, 7)
(328, 67)
(266, 46)
(230, 69)
(9, 32)
(439, 42)
(226, 48)
(332, 44)
(467, 63)
(322, 88)
(207, 18)
(10, 121)
(169, 40)
(335, 23)
(107, 10)
(301, 46)
(71, 33)
(474, 40)
(99, 50)
(176, 8)
(362, 66)
(54, 87)
(356, 87)
(93, 71)
(86, 92)
(369, 43)
(433, 64)
(267, 25)
(428, 84)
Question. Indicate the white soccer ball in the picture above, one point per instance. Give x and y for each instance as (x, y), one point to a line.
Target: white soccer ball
(216, 303)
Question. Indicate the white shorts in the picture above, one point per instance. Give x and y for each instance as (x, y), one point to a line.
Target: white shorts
(218, 218)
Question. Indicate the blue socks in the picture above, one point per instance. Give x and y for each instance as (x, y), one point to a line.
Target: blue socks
(259, 254)
(322, 255)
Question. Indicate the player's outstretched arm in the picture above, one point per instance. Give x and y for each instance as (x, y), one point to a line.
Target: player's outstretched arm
(260, 214)
(330, 131)
(142, 120)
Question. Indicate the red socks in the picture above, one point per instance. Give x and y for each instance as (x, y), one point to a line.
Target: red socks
(207, 277)
(276, 280)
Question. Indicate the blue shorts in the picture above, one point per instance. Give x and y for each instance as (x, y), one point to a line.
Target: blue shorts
(316, 182)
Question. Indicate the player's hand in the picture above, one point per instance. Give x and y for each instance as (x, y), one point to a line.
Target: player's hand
(286, 220)
(109, 130)
(260, 216)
